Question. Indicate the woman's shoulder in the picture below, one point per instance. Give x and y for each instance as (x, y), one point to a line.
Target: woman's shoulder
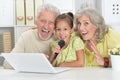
(112, 38)
(112, 32)
(112, 35)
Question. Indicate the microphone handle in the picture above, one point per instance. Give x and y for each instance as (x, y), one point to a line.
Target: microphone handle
(54, 57)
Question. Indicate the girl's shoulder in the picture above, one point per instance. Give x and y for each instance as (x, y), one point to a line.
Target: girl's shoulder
(53, 43)
(75, 36)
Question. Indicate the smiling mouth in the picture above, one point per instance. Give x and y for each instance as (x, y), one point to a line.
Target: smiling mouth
(62, 37)
(45, 30)
(84, 33)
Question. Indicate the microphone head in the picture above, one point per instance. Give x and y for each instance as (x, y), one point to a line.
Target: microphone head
(61, 43)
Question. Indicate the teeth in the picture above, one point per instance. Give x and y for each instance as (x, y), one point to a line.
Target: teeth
(45, 30)
(83, 33)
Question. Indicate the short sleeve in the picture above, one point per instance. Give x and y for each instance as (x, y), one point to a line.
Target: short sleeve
(53, 45)
(112, 38)
(78, 43)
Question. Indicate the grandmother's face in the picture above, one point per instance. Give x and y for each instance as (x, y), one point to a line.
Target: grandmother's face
(86, 28)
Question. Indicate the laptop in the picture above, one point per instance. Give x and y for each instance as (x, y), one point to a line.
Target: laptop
(31, 62)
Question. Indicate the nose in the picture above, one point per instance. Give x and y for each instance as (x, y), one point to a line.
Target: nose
(61, 32)
(46, 24)
(81, 27)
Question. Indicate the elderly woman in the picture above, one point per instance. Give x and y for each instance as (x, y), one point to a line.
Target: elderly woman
(98, 37)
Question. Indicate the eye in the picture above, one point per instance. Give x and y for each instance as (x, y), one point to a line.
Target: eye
(78, 23)
(86, 23)
(42, 21)
(51, 23)
(65, 28)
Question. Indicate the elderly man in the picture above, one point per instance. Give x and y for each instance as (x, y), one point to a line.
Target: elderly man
(37, 40)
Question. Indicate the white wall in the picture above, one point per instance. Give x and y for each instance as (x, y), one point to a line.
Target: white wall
(6, 13)
(110, 9)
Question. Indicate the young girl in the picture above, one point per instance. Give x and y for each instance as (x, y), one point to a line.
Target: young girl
(72, 53)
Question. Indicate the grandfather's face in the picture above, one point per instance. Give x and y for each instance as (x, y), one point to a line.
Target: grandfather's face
(45, 24)
(86, 28)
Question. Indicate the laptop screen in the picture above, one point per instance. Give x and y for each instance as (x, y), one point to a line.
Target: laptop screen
(29, 62)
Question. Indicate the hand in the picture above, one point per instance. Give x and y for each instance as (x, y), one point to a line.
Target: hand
(98, 57)
(47, 56)
(57, 50)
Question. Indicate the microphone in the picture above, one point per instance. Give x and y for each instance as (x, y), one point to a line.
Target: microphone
(61, 43)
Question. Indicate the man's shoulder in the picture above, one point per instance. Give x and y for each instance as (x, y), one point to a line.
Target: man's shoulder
(29, 32)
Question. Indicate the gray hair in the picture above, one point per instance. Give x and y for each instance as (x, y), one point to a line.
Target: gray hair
(96, 19)
(47, 7)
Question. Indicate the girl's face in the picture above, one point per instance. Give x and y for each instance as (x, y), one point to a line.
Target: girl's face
(86, 28)
(63, 30)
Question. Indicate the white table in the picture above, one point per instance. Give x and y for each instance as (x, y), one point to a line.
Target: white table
(72, 74)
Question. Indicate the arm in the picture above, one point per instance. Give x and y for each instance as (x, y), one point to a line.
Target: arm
(19, 46)
(78, 50)
(55, 50)
(77, 63)
(103, 61)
